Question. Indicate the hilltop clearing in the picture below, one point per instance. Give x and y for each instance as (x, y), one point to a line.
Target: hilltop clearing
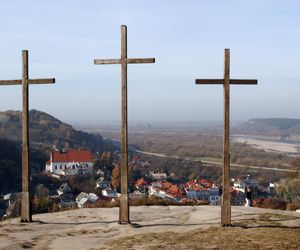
(155, 227)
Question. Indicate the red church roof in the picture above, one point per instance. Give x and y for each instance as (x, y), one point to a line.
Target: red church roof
(72, 156)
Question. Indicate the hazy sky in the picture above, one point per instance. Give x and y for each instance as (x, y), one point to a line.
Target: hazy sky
(187, 38)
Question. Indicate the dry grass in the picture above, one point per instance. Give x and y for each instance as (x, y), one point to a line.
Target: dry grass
(263, 232)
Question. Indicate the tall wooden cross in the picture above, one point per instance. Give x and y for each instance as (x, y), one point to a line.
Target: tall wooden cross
(226, 81)
(26, 215)
(124, 204)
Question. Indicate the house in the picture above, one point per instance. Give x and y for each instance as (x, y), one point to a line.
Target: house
(102, 183)
(65, 192)
(141, 185)
(158, 176)
(83, 198)
(100, 172)
(70, 163)
(238, 198)
(64, 188)
(167, 190)
(202, 190)
(110, 193)
(247, 182)
(155, 187)
(214, 196)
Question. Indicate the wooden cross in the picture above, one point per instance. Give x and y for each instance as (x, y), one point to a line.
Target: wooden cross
(226, 81)
(26, 215)
(124, 204)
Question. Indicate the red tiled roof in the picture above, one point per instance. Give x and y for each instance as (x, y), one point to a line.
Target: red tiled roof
(72, 156)
(140, 182)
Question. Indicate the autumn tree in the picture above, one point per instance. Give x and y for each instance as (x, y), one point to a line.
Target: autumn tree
(116, 177)
(105, 163)
(289, 188)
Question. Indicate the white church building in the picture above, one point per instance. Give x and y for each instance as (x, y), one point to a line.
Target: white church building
(70, 163)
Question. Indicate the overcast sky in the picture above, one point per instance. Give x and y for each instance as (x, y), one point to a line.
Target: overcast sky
(187, 38)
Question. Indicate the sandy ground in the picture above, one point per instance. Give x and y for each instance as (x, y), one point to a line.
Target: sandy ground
(97, 228)
(269, 145)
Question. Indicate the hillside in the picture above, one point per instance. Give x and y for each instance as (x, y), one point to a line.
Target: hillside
(46, 130)
(269, 126)
(10, 166)
(159, 227)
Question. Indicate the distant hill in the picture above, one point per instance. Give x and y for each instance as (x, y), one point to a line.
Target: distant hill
(46, 130)
(269, 126)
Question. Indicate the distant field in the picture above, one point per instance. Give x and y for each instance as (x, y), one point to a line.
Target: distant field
(193, 146)
(269, 146)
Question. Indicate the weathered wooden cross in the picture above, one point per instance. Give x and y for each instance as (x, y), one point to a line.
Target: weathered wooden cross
(124, 204)
(26, 215)
(226, 203)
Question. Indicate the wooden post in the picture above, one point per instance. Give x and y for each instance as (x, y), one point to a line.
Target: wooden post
(226, 203)
(25, 204)
(26, 215)
(226, 81)
(124, 203)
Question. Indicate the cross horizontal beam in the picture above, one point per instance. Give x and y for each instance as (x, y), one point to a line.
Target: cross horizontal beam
(30, 81)
(232, 81)
(129, 60)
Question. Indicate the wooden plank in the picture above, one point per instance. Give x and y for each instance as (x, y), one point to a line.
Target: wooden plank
(107, 61)
(243, 81)
(225, 205)
(129, 60)
(41, 81)
(30, 81)
(10, 82)
(232, 81)
(141, 60)
(209, 81)
(124, 204)
(25, 202)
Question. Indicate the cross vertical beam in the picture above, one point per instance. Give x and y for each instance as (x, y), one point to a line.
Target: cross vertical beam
(26, 215)
(124, 204)
(124, 201)
(225, 203)
(226, 82)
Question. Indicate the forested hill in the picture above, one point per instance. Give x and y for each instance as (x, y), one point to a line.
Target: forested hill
(46, 130)
(10, 166)
(270, 126)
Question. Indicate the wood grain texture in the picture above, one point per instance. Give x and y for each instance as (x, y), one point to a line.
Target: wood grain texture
(29, 81)
(26, 215)
(140, 60)
(124, 205)
(225, 204)
(107, 61)
(129, 60)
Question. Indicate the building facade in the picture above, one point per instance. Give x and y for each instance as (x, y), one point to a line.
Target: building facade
(70, 163)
